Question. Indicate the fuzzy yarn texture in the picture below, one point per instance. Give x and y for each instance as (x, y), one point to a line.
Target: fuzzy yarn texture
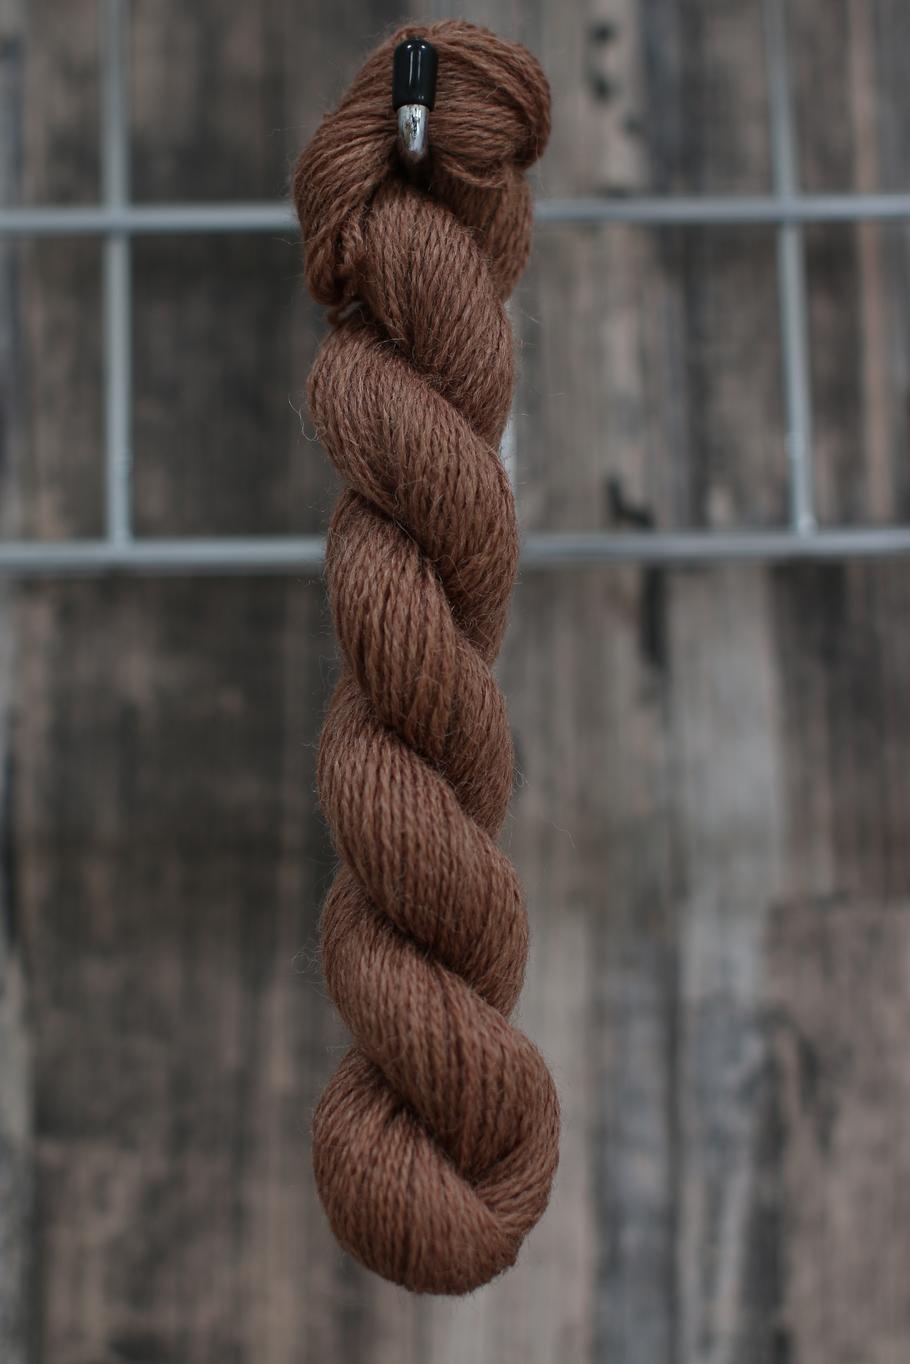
(436, 1141)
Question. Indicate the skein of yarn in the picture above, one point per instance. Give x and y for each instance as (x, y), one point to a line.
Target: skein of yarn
(436, 1141)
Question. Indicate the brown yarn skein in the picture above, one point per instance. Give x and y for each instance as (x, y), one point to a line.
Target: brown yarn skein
(435, 1143)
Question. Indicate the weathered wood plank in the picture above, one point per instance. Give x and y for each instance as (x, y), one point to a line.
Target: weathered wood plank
(728, 841)
(16, 1150)
(15, 1058)
(853, 112)
(60, 145)
(165, 904)
(644, 409)
(655, 418)
(838, 977)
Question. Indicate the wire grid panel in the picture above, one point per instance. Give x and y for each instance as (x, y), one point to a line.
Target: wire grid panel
(117, 220)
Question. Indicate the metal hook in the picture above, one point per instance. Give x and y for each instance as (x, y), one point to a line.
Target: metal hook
(413, 96)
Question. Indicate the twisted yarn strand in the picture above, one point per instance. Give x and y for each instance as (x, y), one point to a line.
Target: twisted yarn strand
(435, 1143)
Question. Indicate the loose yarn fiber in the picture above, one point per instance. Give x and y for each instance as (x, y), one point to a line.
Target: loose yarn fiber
(435, 1143)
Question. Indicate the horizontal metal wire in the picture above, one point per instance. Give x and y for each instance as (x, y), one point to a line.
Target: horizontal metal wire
(672, 211)
(223, 556)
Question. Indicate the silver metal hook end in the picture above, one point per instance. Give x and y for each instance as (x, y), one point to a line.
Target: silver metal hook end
(413, 130)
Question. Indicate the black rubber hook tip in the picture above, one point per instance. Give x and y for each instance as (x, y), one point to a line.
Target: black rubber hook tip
(414, 73)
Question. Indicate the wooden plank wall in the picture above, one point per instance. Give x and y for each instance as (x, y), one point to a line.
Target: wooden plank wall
(711, 820)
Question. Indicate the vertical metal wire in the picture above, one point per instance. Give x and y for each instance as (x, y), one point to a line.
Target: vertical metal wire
(117, 282)
(508, 449)
(508, 446)
(791, 274)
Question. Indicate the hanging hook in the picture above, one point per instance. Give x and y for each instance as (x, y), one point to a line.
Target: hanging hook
(413, 95)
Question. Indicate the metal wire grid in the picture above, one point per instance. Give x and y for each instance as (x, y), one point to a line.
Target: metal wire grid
(117, 221)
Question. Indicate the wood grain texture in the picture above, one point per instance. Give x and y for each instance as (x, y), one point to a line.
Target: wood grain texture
(16, 1130)
(711, 813)
(16, 1145)
(857, 274)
